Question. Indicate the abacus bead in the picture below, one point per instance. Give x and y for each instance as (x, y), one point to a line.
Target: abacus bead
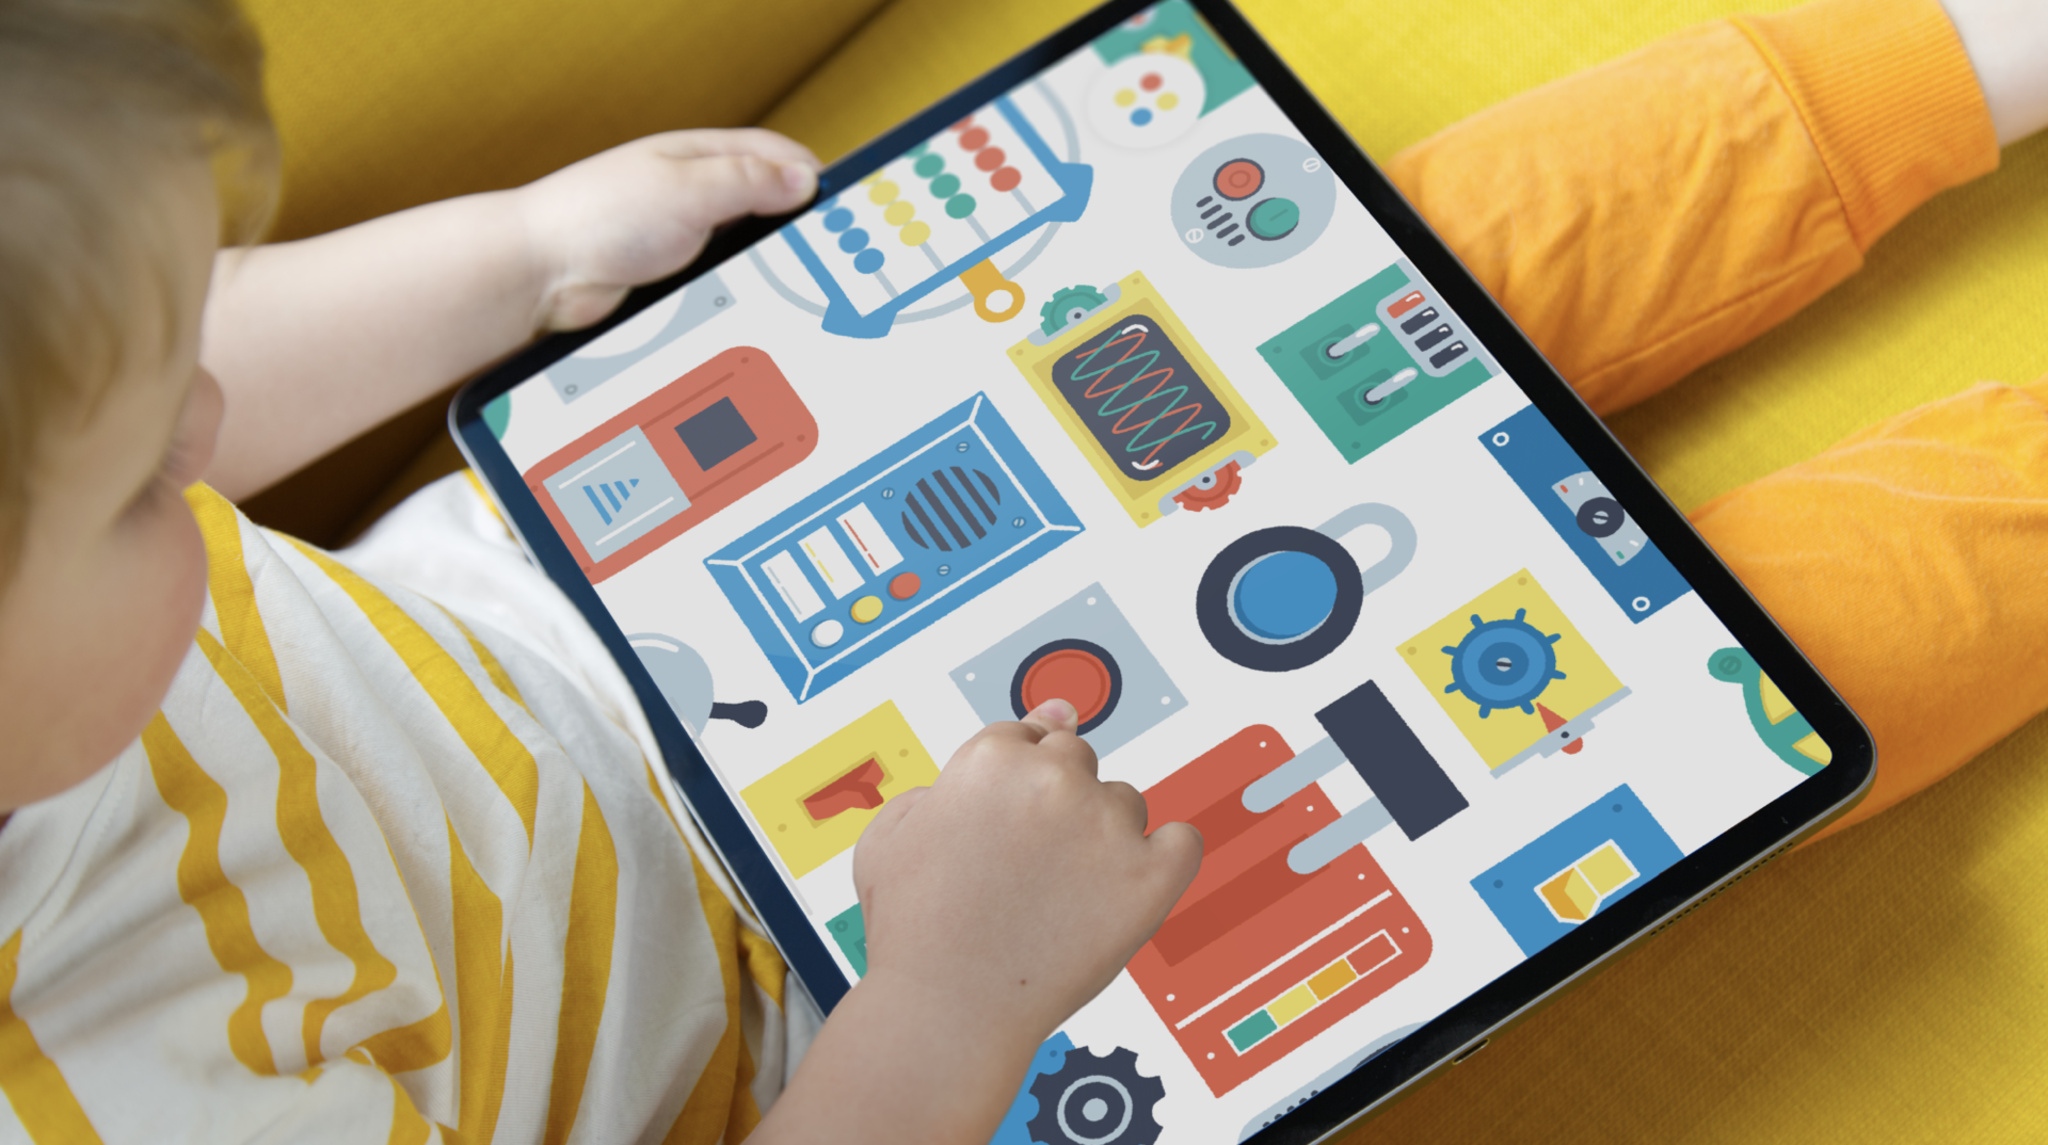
(868, 261)
(960, 206)
(945, 186)
(853, 240)
(929, 165)
(989, 158)
(973, 139)
(1005, 179)
(838, 220)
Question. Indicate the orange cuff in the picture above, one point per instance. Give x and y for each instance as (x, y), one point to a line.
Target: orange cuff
(1890, 98)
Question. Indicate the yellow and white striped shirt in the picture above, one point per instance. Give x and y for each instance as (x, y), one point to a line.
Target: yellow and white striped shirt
(375, 873)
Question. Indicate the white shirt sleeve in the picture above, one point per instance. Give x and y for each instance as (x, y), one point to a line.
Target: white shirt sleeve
(2007, 42)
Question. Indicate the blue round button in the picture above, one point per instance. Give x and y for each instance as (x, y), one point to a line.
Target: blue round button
(1284, 596)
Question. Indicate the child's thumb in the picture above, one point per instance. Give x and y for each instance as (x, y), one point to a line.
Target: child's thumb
(725, 187)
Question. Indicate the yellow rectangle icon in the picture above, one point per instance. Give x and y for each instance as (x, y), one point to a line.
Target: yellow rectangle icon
(1332, 978)
(1292, 1004)
(816, 805)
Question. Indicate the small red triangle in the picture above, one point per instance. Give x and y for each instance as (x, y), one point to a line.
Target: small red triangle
(1551, 722)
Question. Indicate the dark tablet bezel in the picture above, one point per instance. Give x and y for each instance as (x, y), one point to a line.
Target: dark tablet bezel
(1466, 1024)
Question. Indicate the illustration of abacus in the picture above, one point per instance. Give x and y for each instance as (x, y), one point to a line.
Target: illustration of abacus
(938, 214)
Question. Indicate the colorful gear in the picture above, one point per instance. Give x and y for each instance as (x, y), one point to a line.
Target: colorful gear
(1212, 490)
(1096, 1100)
(1069, 305)
(1503, 664)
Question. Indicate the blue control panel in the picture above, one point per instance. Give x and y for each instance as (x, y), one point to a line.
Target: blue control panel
(888, 548)
(1585, 515)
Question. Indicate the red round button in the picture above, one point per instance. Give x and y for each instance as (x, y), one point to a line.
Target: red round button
(904, 586)
(1079, 677)
(1239, 179)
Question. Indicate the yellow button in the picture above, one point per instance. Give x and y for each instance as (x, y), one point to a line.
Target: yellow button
(867, 608)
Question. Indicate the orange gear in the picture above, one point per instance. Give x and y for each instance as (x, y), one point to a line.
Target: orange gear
(1213, 490)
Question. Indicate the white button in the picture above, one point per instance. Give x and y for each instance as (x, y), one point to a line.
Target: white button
(827, 634)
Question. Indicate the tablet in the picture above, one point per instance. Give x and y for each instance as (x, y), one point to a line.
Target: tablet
(1123, 377)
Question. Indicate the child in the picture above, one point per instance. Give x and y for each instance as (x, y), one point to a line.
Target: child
(372, 871)
(1647, 216)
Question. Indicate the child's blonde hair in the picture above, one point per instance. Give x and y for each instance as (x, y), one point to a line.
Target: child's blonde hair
(101, 103)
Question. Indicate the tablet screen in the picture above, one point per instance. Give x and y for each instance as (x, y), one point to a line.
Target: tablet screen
(1111, 391)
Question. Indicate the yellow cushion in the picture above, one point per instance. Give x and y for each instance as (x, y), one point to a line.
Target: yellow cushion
(385, 104)
(1885, 985)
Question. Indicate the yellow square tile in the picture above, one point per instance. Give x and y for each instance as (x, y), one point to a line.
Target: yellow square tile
(1607, 869)
(816, 805)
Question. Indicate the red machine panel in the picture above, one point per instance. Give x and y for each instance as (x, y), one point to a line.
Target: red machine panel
(1255, 959)
(675, 458)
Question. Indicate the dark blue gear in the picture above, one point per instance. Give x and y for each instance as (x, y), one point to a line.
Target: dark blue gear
(1093, 1100)
(1503, 664)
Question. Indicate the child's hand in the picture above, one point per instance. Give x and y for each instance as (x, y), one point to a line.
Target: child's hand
(1014, 889)
(641, 211)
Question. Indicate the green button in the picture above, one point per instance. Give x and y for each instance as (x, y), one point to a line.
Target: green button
(1251, 1031)
(1273, 219)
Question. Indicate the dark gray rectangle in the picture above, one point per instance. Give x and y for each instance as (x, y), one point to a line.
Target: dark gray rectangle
(1402, 774)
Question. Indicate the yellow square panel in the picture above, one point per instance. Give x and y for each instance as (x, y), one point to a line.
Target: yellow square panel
(1607, 869)
(1504, 733)
(1292, 1004)
(816, 805)
(1332, 978)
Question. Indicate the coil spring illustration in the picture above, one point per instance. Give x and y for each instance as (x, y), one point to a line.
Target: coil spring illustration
(1135, 404)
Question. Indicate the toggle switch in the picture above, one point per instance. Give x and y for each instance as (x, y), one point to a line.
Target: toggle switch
(858, 790)
(1352, 341)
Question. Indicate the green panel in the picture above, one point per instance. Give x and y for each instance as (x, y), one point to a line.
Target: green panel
(1332, 392)
(850, 931)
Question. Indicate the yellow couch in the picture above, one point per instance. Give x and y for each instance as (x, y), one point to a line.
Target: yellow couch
(1890, 984)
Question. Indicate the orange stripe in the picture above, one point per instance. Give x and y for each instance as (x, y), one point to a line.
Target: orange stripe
(483, 994)
(408, 1126)
(335, 904)
(763, 963)
(492, 668)
(586, 966)
(477, 484)
(510, 765)
(709, 1108)
(403, 1049)
(34, 1086)
(234, 594)
(223, 909)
